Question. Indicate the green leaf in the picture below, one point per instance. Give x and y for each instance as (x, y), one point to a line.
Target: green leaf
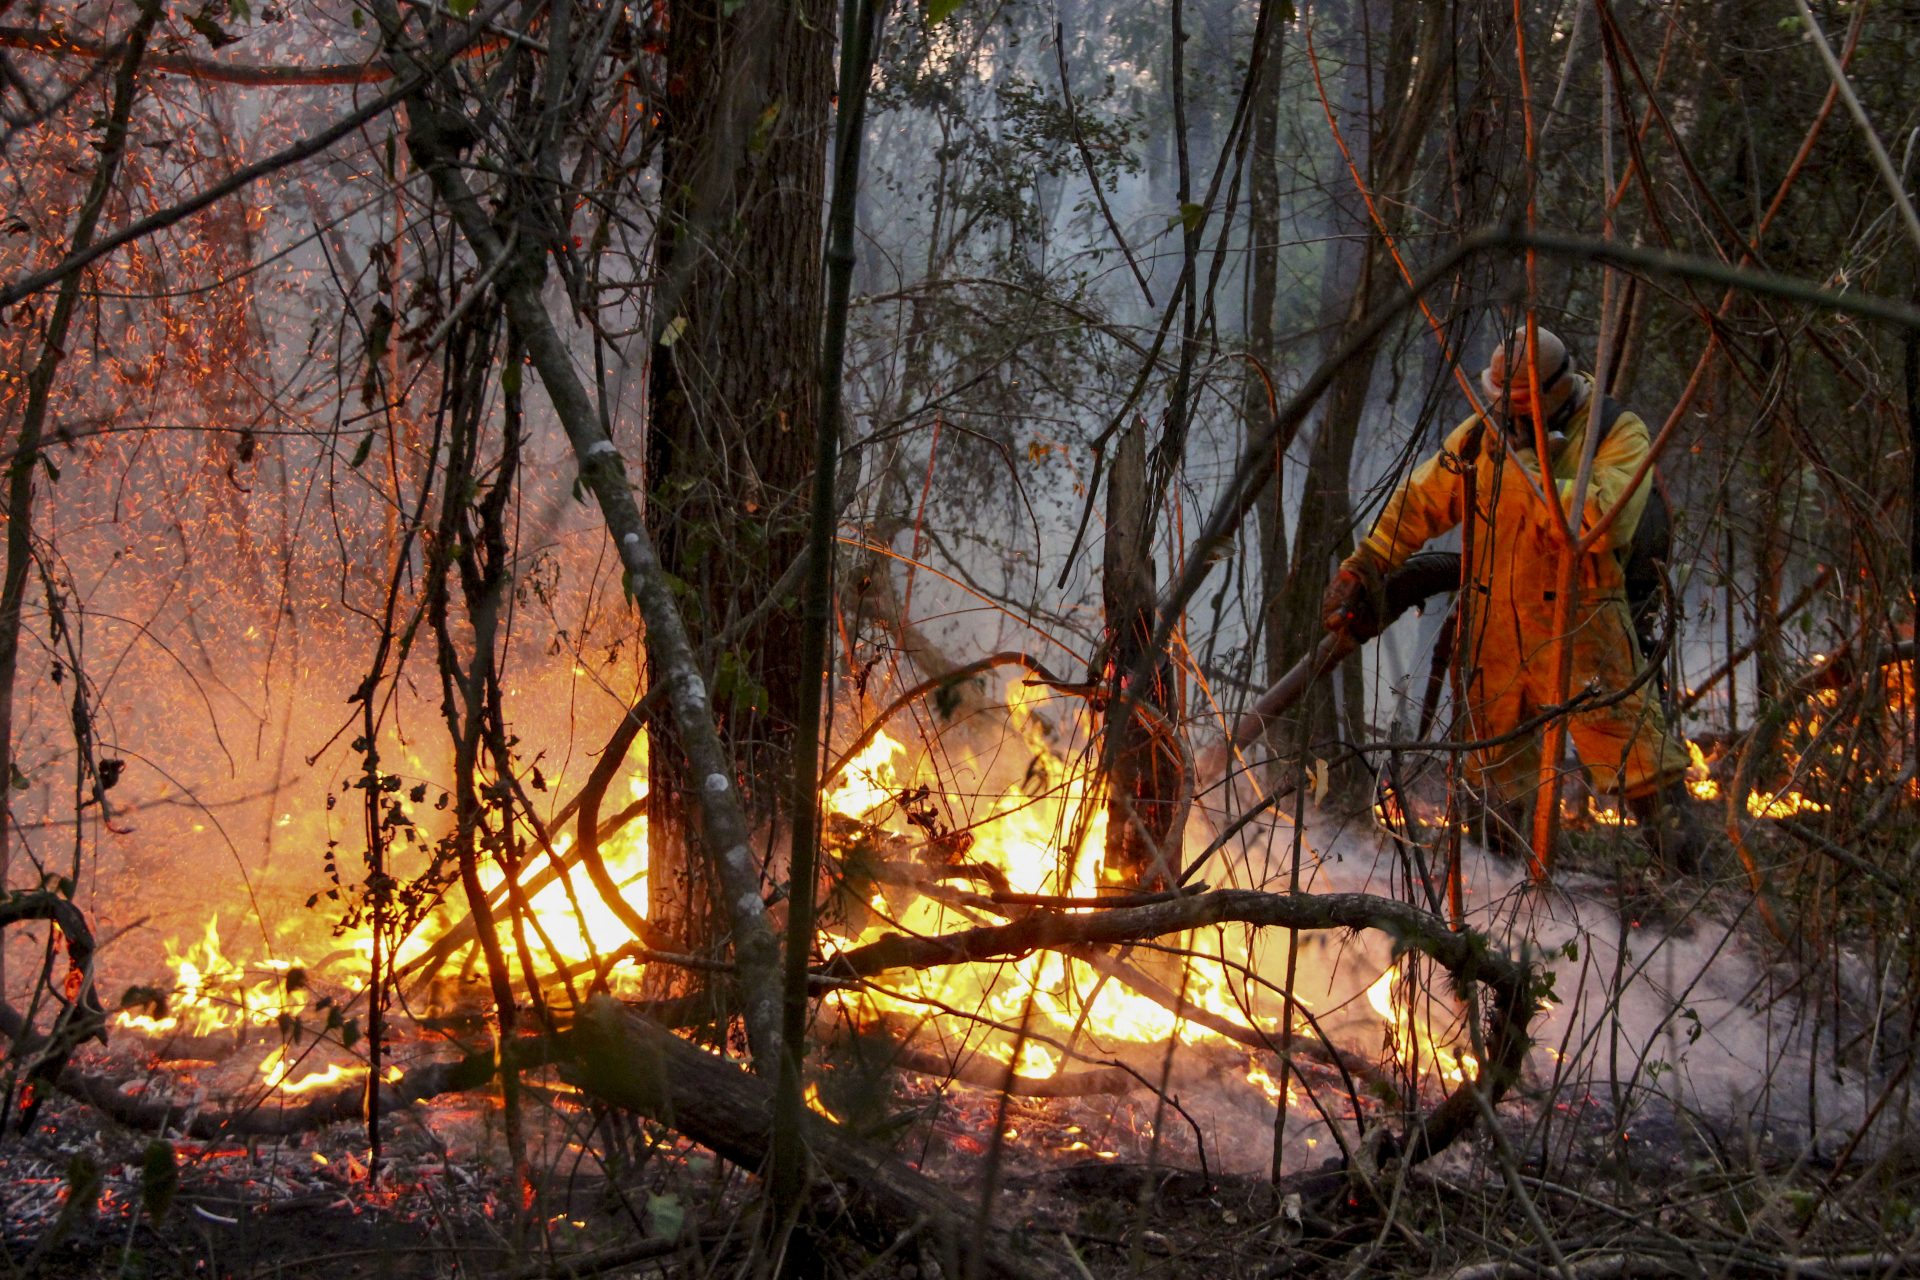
(665, 1216)
(763, 127)
(359, 19)
(215, 35)
(84, 1181)
(360, 453)
(239, 10)
(1190, 217)
(735, 684)
(671, 334)
(159, 1179)
(938, 11)
(460, 8)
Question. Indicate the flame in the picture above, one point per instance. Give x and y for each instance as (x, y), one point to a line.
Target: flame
(277, 1069)
(1781, 804)
(1613, 817)
(1041, 835)
(1262, 1079)
(214, 993)
(1411, 1035)
(1699, 776)
(567, 929)
(818, 1107)
(869, 779)
(1760, 804)
(1036, 1061)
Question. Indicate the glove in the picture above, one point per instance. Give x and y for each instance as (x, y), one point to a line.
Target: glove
(1345, 596)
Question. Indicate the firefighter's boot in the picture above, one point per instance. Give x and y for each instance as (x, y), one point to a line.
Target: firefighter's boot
(1506, 829)
(1673, 834)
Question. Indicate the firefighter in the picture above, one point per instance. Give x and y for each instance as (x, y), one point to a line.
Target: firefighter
(1624, 743)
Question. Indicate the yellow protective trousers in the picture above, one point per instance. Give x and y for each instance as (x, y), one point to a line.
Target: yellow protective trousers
(1510, 605)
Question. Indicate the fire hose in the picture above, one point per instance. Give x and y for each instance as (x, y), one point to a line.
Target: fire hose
(1424, 575)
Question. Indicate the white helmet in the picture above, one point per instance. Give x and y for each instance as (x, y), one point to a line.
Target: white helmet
(1504, 381)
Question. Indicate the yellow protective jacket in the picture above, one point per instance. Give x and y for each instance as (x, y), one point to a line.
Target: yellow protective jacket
(1516, 553)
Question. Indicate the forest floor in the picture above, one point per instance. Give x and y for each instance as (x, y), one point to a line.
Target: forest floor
(621, 1198)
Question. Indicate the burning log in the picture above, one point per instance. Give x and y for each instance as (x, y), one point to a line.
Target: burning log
(106, 1094)
(1468, 956)
(632, 1063)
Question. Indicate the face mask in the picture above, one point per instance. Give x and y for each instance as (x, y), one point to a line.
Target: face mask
(1518, 431)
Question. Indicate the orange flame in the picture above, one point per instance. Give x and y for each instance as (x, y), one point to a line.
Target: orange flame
(1410, 1033)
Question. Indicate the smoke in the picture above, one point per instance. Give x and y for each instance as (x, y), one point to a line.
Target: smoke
(1675, 1018)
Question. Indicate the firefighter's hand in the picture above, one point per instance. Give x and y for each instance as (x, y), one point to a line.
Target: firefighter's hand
(1344, 598)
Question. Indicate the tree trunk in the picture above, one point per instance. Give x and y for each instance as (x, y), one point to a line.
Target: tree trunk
(732, 387)
(1144, 781)
(1263, 251)
(1325, 531)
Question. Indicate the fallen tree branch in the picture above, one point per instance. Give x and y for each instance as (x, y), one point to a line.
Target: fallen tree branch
(347, 1103)
(1467, 955)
